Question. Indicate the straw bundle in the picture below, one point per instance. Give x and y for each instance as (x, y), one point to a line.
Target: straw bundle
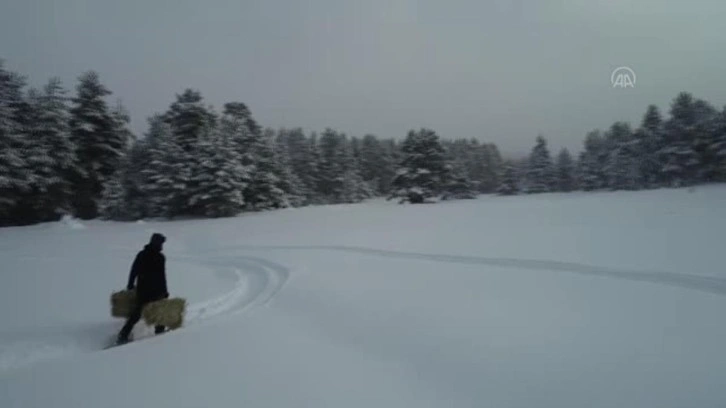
(123, 303)
(165, 312)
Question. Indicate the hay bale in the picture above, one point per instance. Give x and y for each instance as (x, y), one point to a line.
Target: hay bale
(165, 312)
(123, 303)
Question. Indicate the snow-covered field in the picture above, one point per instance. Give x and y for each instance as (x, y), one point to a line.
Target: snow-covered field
(577, 300)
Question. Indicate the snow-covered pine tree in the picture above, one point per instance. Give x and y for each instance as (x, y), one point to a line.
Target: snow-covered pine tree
(565, 169)
(189, 119)
(36, 201)
(113, 203)
(302, 164)
(508, 181)
(704, 130)
(315, 158)
(459, 187)
(488, 155)
(392, 154)
(192, 124)
(99, 148)
(15, 175)
(718, 145)
(165, 177)
(623, 167)
(266, 189)
(540, 174)
(592, 161)
(355, 145)
(339, 179)
(121, 122)
(53, 123)
(331, 166)
(133, 179)
(377, 167)
(255, 150)
(353, 188)
(290, 183)
(678, 156)
(219, 179)
(650, 140)
(423, 171)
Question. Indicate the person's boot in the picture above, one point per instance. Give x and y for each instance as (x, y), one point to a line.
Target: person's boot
(124, 336)
(122, 339)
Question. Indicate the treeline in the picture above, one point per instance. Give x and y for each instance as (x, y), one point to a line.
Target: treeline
(63, 155)
(686, 148)
(75, 155)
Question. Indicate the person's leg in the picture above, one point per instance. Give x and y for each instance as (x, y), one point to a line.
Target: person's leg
(123, 336)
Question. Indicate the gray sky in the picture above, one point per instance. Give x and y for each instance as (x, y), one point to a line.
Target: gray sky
(500, 71)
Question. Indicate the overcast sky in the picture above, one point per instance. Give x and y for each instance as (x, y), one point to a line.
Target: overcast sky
(500, 71)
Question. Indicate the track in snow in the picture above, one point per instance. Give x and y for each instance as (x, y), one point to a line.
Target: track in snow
(257, 281)
(695, 282)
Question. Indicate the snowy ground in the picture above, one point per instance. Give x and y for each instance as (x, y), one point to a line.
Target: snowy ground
(577, 300)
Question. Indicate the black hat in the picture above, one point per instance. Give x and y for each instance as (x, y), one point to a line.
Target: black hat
(157, 238)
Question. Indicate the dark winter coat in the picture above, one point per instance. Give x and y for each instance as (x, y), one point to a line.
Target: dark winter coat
(149, 270)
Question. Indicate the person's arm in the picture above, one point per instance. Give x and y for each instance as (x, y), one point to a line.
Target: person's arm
(134, 272)
(163, 276)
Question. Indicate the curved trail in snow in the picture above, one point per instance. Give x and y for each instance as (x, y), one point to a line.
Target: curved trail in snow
(256, 282)
(701, 283)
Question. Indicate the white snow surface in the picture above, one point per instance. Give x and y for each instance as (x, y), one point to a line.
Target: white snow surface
(553, 300)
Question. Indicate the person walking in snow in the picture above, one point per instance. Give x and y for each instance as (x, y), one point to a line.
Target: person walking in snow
(148, 276)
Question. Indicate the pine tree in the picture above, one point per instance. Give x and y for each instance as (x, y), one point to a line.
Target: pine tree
(718, 145)
(290, 182)
(219, 179)
(330, 166)
(59, 165)
(266, 189)
(592, 163)
(189, 119)
(487, 156)
(423, 171)
(113, 203)
(565, 169)
(35, 204)
(15, 175)
(121, 122)
(192, 126)
(133, 180)
(706, 123)
(377, 167)
(165, 177)
(459, 186)
(339, 180)
(650, 140)
(255, 149)
(540, 176)
(353, 188)
(315, 159)
(99, 148)
(623, 167)
(678, 155)
(508, 181)
(299, 153)
(392, 154)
